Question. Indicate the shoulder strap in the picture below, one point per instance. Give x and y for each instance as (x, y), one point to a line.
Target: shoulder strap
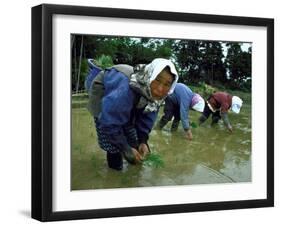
(128, 71)
(125, 69)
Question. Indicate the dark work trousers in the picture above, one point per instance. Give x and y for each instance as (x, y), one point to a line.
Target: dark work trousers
(206, 113)
(170, 110)
(113, 154)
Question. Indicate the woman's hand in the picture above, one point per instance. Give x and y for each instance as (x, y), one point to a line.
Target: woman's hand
(143, 150)
(132, 155)
(138, 156)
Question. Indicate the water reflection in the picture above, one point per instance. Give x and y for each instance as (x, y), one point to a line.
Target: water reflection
(213, 156)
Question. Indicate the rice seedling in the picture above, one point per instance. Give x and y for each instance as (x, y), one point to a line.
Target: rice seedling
(154, 160)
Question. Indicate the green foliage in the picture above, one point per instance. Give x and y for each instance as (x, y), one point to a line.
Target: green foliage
(75, 72)
(203, 89)
(211, 62)
(207, 89)
(199, 60)
(103, 61)
(239, 67)
(246, 86)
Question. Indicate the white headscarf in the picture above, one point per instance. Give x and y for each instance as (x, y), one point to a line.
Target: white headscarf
(236, 104)
(156, 66)
(142, 78)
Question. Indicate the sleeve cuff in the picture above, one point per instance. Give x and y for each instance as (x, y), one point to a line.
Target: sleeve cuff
(143, 138)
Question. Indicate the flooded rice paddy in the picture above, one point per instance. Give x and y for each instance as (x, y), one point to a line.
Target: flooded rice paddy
(213, 156)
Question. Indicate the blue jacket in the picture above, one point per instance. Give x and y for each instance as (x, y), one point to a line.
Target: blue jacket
(182, 97)
(119, 110)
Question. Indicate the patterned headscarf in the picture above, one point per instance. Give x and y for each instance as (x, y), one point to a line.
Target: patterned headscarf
(144, 74)
(197, 103)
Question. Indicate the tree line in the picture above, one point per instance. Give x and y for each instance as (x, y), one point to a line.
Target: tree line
(218, 63)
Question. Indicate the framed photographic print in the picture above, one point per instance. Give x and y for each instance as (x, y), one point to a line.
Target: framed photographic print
(145, 112)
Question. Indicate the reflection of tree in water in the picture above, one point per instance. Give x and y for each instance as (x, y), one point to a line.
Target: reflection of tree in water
(212, 147)
(211, 154)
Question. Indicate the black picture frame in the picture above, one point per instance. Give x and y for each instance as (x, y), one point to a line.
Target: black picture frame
(42, 106)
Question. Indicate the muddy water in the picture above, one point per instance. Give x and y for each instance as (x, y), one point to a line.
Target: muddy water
(213, 156)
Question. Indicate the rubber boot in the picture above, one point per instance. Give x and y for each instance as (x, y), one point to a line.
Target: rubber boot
(114, 160)
(161, 123)
(202, 119)
(175, 125)
(215, 120)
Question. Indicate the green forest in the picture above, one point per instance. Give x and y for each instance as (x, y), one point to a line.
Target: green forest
(222, 64)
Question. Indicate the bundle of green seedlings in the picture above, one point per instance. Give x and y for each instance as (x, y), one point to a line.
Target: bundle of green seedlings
(193, 125)
(154, 160)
